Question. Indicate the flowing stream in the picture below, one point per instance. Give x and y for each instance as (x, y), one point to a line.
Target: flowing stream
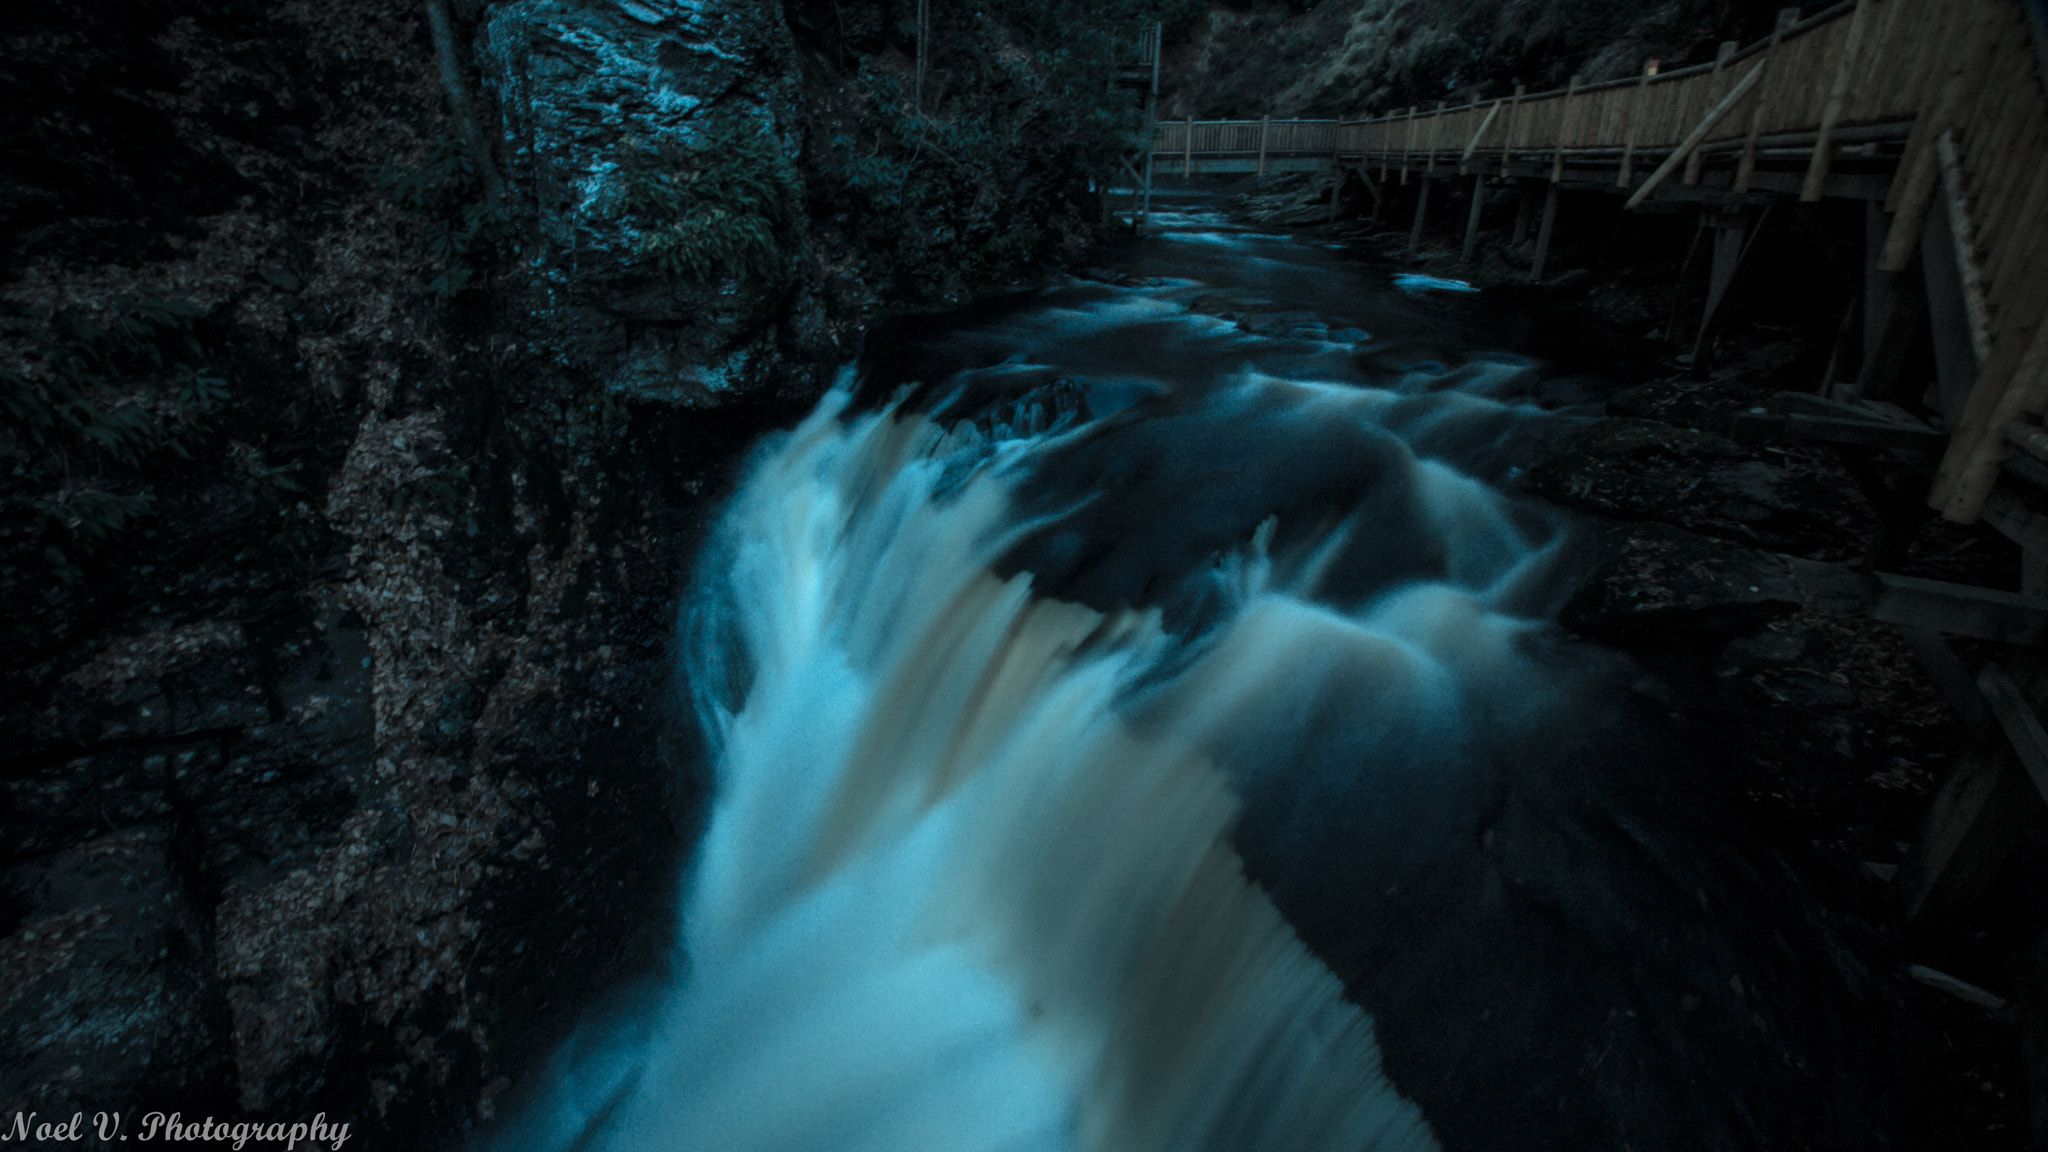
(1136, 726)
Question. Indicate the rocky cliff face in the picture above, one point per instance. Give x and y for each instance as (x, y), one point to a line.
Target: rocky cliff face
(350, 480)
(1328, 58)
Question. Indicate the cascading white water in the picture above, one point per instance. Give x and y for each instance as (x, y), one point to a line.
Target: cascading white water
(968, 882)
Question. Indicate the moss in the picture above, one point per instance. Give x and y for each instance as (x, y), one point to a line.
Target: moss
(716, 211)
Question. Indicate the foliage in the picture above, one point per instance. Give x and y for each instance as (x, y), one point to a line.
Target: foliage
(97, 396)
(467, 232)
(711, 212)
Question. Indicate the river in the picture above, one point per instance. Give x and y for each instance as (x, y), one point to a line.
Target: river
(1138, 724)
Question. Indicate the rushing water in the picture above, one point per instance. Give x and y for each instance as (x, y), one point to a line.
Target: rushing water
(1136, 727)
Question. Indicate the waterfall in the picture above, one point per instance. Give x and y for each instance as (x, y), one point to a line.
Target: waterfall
(968, 880)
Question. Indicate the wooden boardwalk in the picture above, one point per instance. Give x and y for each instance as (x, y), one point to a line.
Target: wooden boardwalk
(1933, 111)
(1934, 114)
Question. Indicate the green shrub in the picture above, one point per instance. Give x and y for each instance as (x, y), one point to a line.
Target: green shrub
(712, 212)
(466, 233)
(100, 396)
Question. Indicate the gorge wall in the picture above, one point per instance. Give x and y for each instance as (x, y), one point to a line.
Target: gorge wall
(1331, 58)
(349, 478)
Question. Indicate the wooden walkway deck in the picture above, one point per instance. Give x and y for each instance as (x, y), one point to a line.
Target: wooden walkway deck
(1934, 111)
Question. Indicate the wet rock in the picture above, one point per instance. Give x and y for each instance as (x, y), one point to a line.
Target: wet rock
(582, 87)
(1639, 469)
(1657, 582)
(1765, 649)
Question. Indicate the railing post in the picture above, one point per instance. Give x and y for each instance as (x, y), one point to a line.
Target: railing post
(1187, 155)
(1409, 149)
(1838, 91)
(1507, 144)
(1786, 18)
(1265, 127)
(1436, 131)
(1472, 218)
(1696, 161)
(1564, 129)
(1635, 124)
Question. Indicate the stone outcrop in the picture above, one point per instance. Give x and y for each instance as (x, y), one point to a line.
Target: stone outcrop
(340, 765)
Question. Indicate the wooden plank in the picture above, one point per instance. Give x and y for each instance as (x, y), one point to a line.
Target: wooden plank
(1436, 127)
(1963, 245)
(1752, 427)
(1970, 467)
(1747, 165)
(1920, 170)
(1898, 324)
(1564, 132)
(1973, 827)
(2014, 520)
(1507, 144)
(1421, 211)
(1473, 145)
(1693, 160)
(2029, 439)
(1838, 93)
(1960, 609)
(1686, 149)
(1472, 218)
(1409, 150)
(1543, 232)
(2022, 726)
(1634, 113)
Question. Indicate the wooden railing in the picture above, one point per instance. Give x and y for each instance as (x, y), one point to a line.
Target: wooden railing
(1945, 95)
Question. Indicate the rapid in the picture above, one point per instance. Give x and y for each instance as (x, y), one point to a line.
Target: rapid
(1137, 723)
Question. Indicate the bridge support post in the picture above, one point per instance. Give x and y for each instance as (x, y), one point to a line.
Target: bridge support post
(1472, 219)
(1421, 212)
(1543, 232)
(1524, 208)
(1729, 249)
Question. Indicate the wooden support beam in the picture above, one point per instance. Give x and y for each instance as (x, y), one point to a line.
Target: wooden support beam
(1409, 150)
(1897, 324)
(1912, 192)
(1754, 427)
(1421, 211)
(1693, 160)
(1729, 248)
(1687, 149)
(1634, 115)
(2020, 722)
(1982, 811)
(1948, 318)
(1831, 113)
(1960, 609)
(1473, 145)
(1472, 218)
(1524, 212)
(1962, 242)
(2029, 439)
(1265, 130)
(1336, 186)
(1436, 131)
(1187, 158)
(1564, 131)
(2011, 382)
(1543, 232)
(1507, 142)
(1786, 19)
